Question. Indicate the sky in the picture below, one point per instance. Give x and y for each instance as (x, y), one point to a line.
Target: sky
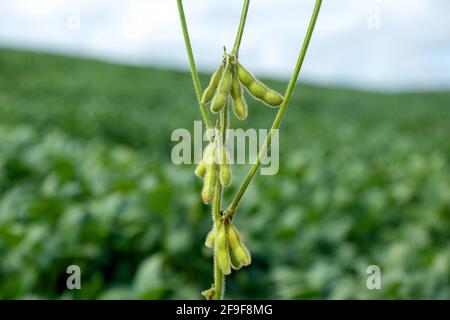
(371, 44)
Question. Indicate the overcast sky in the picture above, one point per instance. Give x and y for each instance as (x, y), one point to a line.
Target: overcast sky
(375, 44)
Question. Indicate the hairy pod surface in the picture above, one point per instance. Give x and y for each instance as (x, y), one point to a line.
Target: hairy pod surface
(200, 170)
(239, 103)
(236, 264)
(208, 183)
(273, 98)
(209, 154)
(223, 90)
(258, 89)
(225, 174)
(225, 170)
(210, 90)
(221, 252)
(234, 261)
(237, 247)
(244, 75)
(219, 101)
(209, 241)
(210, 173)
(243, 255)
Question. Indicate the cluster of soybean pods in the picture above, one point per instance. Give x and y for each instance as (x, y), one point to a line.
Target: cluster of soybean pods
(227, 82)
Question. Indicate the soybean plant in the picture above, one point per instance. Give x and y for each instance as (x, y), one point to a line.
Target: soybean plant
(226, 84)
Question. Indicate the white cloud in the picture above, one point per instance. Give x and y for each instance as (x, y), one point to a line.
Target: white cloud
(411, 49)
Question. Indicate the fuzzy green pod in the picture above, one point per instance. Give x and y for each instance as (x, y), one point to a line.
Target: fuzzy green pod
(200, 170)
(245, 77)
(209, 154)
(257, 89)
(239, 103)
(221, 252)
(223, 90)
(225, 175)
(209, 241)
(236, 264)
(210, 90)
(210, 173)
(240, 251)
(208, 183)
(234, 261)
(225, 170)
(272, 98)
(219, 101)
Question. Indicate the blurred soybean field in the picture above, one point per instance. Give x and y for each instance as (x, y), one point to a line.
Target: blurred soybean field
(86, 179)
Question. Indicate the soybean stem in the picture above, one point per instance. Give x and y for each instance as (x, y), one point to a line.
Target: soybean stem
(194, 73)
(218, 275)
(276, 124)
(219, 278)
(219, 282)
(237, 42)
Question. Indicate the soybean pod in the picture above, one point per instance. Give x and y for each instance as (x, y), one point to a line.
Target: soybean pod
(224, 167)
(239, 103)
(210, 173)
(221, 253)
(223, 90)
(210, 90)
(235, 262)
(238, 250)
(209, 241)
(200, 170)
(208, 183)
(257, 89)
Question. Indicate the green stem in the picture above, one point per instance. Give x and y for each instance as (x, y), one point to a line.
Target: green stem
(219, 278)
(194, 73)
(276, 124)
(237, 42)
(219, 283)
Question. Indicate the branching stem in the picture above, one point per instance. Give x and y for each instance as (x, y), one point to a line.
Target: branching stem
(276, 124)
(219, 278)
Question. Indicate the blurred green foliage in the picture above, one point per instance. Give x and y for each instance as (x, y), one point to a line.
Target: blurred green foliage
(86, 179)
